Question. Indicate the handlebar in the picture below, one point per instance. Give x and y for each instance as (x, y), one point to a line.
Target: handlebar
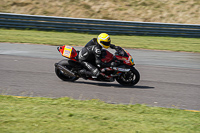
(121, 52)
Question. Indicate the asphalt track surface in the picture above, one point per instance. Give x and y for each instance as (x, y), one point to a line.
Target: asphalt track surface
(168, 79)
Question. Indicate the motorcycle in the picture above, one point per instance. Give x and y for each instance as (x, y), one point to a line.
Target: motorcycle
(124, 73)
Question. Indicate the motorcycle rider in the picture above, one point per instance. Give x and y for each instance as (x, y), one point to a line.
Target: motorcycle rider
(90, 55)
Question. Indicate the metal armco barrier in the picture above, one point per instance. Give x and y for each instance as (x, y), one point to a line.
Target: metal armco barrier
(22, 21)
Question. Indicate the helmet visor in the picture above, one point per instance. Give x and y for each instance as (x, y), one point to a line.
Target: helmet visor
(105, 43)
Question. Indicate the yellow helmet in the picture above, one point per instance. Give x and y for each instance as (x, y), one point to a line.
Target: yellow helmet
(104, 40)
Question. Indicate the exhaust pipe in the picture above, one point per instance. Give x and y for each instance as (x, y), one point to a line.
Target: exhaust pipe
(65, 70)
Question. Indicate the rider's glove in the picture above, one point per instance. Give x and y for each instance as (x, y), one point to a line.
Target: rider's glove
(118, 48)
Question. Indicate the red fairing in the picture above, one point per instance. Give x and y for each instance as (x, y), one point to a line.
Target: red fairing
(74, 53)
(106, 56)
(61, 49)
(124, 59)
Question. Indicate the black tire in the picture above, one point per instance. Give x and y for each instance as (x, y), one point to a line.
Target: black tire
(62, 76)
(130, 78)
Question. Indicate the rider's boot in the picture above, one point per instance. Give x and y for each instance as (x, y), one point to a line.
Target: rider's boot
(85, 73)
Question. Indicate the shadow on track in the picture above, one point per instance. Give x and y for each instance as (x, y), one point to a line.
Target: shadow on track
(107, 84)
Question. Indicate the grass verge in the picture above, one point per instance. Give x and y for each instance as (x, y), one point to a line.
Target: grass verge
(165, 11)
(25, 114)
(80, 39)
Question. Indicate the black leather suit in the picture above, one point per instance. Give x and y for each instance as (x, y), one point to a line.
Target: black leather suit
(90, 57)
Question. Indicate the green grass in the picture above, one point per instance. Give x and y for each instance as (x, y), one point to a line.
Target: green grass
(46, 115)
(80, 39)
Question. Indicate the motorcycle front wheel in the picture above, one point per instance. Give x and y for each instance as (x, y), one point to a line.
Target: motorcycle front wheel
(61, 74)
(129, 78)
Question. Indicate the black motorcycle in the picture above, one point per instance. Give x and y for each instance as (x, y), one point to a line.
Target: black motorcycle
(125, 73)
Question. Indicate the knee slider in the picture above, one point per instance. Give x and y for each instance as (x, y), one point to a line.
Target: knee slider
(96, 72)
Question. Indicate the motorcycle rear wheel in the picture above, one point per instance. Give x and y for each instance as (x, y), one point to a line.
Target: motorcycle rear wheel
(130, 78)
(63, 76)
